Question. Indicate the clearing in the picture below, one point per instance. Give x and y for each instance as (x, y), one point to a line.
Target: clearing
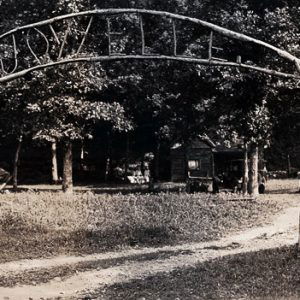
(222, 268)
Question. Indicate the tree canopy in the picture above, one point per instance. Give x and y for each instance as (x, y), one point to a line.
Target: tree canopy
(164, 102)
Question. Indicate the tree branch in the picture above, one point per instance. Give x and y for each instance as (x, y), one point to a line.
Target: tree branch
(85, 35)
(2, 66)
(46, 40)
(223, 31)
(109, 12)
(108, 36)
(174, 37)
(54, 34)
(142, 33)
(15, 54)
(210, 45)
(64, 42)
(15, 57)
(30, 49)
(205, 62)
(297, 62)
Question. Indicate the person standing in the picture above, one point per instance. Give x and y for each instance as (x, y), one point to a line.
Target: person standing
(216, 184)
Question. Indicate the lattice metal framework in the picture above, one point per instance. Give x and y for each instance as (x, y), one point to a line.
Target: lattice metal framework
(20, 43)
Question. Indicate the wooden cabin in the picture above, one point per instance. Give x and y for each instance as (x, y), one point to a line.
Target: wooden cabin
(196, 158)
(203, 159)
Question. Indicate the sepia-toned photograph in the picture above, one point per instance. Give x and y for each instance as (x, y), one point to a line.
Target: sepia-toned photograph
(149, 149)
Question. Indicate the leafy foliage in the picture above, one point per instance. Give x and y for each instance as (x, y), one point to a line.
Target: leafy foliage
(62, 118)
(167, 102)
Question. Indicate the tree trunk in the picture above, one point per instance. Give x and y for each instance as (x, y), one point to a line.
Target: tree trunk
(67, 185)
(186, 161)
(156, 162)
(54, 170)
(127, 155)
(82, 152)
(108, 165)
(213, 166)
(82, 156)
(246, 171)
(253, 171)
(143, 165)
(107, 169)
(288, 166)
(16, 163)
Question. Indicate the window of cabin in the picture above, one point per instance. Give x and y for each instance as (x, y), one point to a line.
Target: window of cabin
(194, 164)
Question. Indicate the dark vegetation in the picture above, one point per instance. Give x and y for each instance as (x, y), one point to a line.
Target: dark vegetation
(148, 107)
(112, 114)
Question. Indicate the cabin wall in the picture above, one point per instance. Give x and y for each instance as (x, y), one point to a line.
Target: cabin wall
(200, 161)
(177, 165)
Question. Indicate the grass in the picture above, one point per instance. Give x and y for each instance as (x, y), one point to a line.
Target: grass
(268, 274)
(44, 275)
(43, 222)
(36, 224)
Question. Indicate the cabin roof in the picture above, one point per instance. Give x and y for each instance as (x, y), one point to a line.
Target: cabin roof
(202, 138)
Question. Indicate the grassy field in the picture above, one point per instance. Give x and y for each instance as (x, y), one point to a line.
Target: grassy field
(38, 223)
(269, 274)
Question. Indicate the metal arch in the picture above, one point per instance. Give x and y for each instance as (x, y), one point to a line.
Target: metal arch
(108, 12)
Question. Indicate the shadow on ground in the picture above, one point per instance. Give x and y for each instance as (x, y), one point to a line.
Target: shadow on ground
(268, 274)
(29, 243)
(111, 189)
(44, 275)
(282, 192)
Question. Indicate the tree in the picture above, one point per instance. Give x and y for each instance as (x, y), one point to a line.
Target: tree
(245, 119)
(63, 121)
(68, 119)
(167, 110)
(283, 151)
(15, 121)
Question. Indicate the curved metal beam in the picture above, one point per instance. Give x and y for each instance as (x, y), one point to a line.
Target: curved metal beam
(207, 62)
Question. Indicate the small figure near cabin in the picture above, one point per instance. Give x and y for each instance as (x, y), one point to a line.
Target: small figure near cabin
(261, 183)
(149, 158)
(216, 184)
(235, 184)
(225, 179)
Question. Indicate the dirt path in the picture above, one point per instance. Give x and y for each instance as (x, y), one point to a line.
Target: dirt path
(282, 231)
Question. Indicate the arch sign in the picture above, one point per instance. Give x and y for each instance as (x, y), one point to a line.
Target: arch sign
(51, 43)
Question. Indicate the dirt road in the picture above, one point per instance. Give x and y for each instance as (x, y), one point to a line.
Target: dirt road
(120, 267)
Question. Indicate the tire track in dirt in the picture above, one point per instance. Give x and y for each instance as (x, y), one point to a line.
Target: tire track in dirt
(283, 231)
